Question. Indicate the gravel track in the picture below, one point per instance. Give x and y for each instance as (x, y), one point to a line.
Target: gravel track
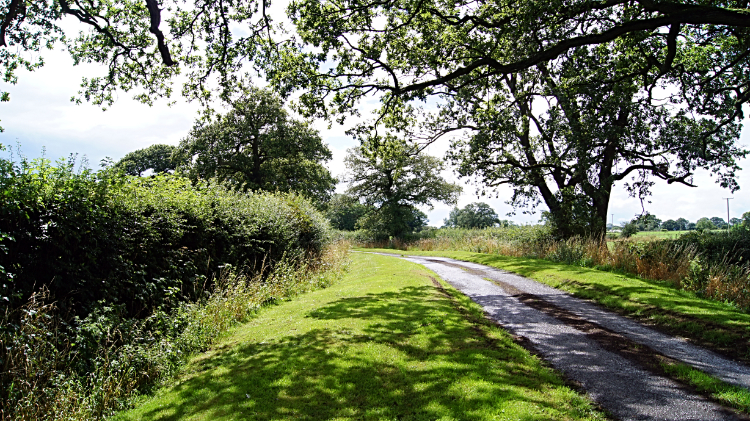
(623, 387)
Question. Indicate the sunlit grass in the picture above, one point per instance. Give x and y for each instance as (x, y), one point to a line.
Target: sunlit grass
(384, 343)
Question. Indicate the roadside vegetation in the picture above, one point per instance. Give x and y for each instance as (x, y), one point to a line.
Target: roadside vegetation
(110, 282)
(697, 285)
(92, 263)
(388, 341)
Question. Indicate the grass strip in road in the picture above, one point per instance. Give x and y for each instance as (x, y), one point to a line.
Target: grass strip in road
(383, 343)
(715, 325)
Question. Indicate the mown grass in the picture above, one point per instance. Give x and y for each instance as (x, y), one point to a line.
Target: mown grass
(383, 343)
(720, 326)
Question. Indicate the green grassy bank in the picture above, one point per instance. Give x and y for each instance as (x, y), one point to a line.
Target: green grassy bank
(384, 343)
(720, 326)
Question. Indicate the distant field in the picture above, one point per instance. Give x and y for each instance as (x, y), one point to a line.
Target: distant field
(654, 235)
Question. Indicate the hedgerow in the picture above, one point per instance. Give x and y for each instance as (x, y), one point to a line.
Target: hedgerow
(91, 237)
(108, 282)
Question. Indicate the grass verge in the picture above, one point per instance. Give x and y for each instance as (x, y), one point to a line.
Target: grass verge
(715, 325)
(733, 396)
(383, 343)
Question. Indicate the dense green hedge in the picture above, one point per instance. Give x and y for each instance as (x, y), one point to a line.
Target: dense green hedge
(720, 247)
(141, 243)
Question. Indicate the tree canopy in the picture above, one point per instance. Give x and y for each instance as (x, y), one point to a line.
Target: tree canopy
(409, 49)
(258, 146)
(404, 48)
(394, 178)
(155, 157)
(562, 100)
(344, 211)
(704, 224)
(646, 222)
(556, 135)
(142, 45)
(670, 225)
(473, 215)
(718, 222)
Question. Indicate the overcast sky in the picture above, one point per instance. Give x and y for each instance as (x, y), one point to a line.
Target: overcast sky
(40, 115)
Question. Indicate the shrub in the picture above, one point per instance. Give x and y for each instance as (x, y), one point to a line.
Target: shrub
(107, 282)
(92, 237)
(629, 230)
(50, 374)
(715, 247)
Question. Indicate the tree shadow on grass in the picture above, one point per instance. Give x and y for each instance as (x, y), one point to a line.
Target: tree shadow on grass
(410, 355)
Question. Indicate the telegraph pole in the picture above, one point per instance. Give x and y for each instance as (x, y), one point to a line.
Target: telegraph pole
(728, 199)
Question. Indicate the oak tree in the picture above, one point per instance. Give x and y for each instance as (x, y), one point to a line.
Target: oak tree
(473, 215)
(258, 146)
(563, 99)
(562, 135)
(344, 211)
(155, 157)
(394, 177)
(704, 224)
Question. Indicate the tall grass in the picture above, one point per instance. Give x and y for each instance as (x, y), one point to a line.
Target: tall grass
(56, 371)
(684, 264)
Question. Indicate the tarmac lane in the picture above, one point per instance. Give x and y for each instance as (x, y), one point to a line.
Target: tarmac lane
(591, 345)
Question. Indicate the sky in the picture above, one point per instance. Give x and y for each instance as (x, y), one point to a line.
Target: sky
(40, 116)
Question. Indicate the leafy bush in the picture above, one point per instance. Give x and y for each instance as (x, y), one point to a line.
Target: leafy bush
(109, 359)
(629, 230)
(92, 237)
(732, 248)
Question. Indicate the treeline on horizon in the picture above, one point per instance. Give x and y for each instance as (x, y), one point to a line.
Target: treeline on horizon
(649, 222)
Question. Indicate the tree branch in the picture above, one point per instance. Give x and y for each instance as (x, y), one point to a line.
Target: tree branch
(155, 12)
(696, 16)
(12, 12)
